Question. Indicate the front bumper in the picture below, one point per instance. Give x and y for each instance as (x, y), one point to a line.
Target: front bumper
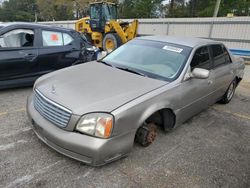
(90, 150)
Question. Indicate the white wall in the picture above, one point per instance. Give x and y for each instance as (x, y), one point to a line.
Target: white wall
(234, 32)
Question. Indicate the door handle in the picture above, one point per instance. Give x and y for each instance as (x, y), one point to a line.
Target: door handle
(209, 82)
(30, 57)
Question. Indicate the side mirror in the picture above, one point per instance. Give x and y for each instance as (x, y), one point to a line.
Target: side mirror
(200, 73)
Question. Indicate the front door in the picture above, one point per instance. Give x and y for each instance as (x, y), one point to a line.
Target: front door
(18, 54)
(196, 94)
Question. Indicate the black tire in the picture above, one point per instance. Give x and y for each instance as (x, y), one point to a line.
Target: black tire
(114, 37)
(168, 120)
(227, 97)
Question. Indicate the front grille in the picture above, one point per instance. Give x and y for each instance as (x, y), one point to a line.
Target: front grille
(51, 111)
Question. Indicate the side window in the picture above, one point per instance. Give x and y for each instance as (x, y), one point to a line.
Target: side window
(201, 59)
(17, 38)
(218, 55)
(67, 39)
(51, 38)
(227, 56)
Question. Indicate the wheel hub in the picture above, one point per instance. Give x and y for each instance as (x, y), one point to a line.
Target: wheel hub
(109, 44)
(146, 134)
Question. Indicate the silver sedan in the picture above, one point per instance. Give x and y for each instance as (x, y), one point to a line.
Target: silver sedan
(94, 112)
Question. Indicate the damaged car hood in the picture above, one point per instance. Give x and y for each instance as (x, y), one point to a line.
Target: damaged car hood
(94, 87)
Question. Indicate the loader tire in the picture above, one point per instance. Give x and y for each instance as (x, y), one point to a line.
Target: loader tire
(111, 41)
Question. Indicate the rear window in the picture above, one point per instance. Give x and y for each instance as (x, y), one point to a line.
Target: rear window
(53, 38)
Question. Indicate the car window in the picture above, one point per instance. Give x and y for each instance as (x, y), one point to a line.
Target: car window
(160, 60)
(219, 55)
(201, 59)
(17, 38)
(227, 56)
(67, 39)
(53, 38)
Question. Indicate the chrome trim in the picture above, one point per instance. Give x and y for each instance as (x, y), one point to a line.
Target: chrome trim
(52, 102)
(53, 112)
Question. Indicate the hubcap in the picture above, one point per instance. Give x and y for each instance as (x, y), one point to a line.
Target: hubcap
(109, 44)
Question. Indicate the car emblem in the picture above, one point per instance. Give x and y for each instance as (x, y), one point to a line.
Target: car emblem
(53, 89)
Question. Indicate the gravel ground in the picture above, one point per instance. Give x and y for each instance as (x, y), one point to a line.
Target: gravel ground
(210, 150)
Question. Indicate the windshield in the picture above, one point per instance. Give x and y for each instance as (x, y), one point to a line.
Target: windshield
(108, 11)
(112, 13)
(154, 59)
(95, 11)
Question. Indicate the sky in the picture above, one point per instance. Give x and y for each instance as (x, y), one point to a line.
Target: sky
(1, 1)
(165, 2)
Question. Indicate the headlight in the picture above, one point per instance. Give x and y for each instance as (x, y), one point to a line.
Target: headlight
(96, 124)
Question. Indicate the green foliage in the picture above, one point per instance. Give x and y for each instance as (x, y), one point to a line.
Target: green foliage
(239, 7)
(55, 10)
(18, 10)
(140, 8)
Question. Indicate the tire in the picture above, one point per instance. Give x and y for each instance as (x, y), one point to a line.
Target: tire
(146, 134)
(227, 97)
(168, 120)
(111, 41)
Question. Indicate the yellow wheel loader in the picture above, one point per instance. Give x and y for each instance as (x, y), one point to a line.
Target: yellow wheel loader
(103, 29)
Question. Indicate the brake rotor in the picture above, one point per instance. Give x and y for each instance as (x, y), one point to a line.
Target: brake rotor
(146, 134)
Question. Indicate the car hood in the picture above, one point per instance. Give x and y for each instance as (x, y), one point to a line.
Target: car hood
(94, 87)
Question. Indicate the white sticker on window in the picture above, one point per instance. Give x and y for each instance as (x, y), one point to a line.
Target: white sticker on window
(172, 49)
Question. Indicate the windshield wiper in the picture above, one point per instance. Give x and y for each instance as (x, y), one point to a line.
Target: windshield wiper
(105, 63)
(132, 71)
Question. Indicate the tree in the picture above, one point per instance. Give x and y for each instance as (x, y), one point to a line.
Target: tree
(238, 7)
(176, 8)
(18, 10)
(140, 8)
(55, 10)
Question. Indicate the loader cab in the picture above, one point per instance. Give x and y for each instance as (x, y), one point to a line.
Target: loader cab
(100, 14)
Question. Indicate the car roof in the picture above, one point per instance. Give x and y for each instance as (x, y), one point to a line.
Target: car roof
(30, 24)
(185, 41)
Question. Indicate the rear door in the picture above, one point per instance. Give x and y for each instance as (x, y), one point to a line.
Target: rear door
(58, 50)
(18, 53)
(222, 71)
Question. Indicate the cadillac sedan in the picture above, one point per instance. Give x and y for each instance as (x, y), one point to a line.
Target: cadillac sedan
(94, 112)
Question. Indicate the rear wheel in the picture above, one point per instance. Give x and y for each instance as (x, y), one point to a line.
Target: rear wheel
(111, 41)
(230, 93)
(146, 134)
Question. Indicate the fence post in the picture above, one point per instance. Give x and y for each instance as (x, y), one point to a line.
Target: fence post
(168, 28)
(211, 29)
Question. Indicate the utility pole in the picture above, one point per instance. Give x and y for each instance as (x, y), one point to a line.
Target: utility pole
(217, 7)
(35, 16)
